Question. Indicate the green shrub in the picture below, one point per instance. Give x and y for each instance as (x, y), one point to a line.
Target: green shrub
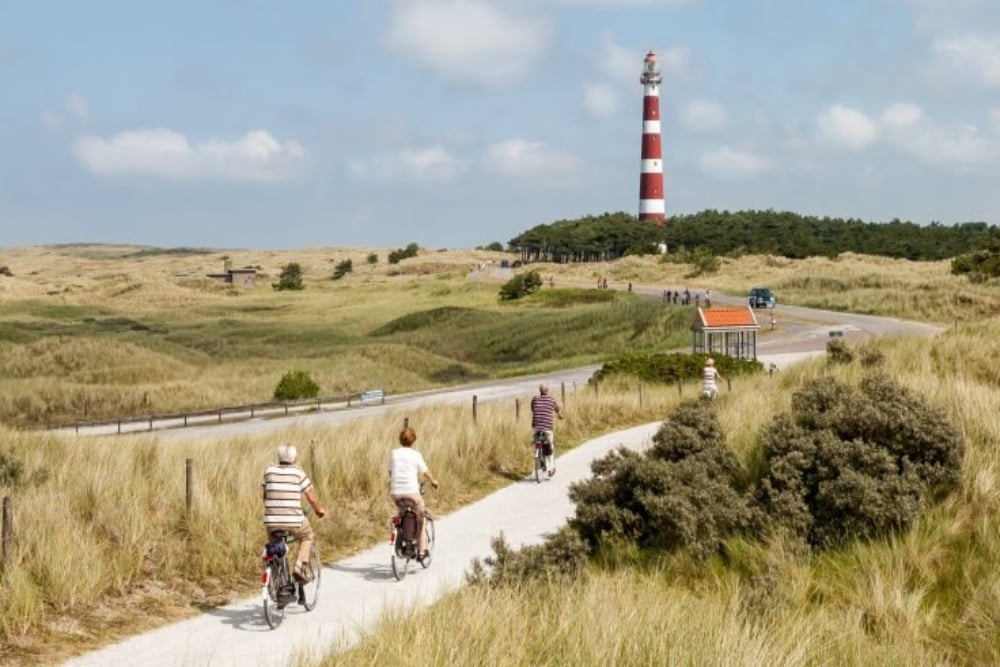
(982, 263)
(342, 269)
(290, 278)
(520, 285)
(856, 463)
(562, 556)
(837, 352)
(11, 470)
(372, 258)
(683, 493)
(399, 254)
(670, 367)
(295, 385)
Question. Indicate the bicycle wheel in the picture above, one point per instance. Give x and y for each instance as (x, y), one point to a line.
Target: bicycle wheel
(274, 612)
(309, 592)
(429, 532)
(539, 467)
(400, 566)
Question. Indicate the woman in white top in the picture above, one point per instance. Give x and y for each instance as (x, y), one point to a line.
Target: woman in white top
(406, 466)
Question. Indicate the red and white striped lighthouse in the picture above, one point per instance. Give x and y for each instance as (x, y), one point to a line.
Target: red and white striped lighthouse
(651, 205)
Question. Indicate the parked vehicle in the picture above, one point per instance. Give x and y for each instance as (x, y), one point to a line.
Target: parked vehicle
(761, 297)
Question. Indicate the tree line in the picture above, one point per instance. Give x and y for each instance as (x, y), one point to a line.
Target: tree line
(613, 235)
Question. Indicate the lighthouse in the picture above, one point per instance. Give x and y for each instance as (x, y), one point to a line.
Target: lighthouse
(651, 206)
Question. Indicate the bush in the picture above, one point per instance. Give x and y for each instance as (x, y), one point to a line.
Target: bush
(290, 278)
(856, 463)
(683, 493)
(837, 352)
(670, 367)
(342, 269)
(982, 263)
(562, 556)
(520, 285)
(399, 254)
(11, 470)
(295, 385)
(372, 258)
(495, 246)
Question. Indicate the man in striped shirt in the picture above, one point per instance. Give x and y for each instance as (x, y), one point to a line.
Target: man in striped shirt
(283, 485)
(544, 410)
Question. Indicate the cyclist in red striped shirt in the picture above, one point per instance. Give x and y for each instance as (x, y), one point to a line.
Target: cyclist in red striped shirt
(544, 410)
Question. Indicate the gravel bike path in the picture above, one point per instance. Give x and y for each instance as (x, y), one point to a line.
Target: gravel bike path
(357, 591)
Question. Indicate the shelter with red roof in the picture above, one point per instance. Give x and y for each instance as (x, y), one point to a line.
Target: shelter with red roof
(730, 330)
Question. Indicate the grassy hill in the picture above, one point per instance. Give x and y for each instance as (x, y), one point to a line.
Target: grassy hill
(99, 330)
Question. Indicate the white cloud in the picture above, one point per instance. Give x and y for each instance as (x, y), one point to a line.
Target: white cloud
(843, 127)
(600, 100)
(973, 58)
(532, 159)
(431, 164)
(77, 106)
(703, 116)
(994, 116)
(902, 115)
(910, 131)
(467, 40)
(729, 164)
(168, 154)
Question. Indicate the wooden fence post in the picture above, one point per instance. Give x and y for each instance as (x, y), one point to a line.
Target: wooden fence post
(640, 395)
(188, 486)
(8, 530)
(517, 409)
(680, 391)
(729, 384)
(562, 392)
(475, 402)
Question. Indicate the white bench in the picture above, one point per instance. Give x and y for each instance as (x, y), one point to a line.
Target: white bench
(373, 396)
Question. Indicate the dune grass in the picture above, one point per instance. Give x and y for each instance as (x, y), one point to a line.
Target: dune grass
(928, 596)
(104, 547)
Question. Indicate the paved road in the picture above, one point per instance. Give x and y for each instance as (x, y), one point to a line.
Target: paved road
(358, 590)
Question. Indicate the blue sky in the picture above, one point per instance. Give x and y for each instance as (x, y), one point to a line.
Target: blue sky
(454, 123)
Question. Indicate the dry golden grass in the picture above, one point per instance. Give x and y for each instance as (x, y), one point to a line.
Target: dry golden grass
(103, 535)
(929, 596)
(87, 570)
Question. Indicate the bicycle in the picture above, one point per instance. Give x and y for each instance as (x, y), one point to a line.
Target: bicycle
(278, 587)
(404, 540)
(543, 454)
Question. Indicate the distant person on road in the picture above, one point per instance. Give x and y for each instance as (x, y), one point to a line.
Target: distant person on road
(406, 467)
(544, 410)
(284, 485)
(710, 377)
(666, 296)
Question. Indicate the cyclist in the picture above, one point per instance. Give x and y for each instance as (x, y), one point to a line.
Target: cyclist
(710, 375)
(544, 410)
(283, 487)
(406, 467)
